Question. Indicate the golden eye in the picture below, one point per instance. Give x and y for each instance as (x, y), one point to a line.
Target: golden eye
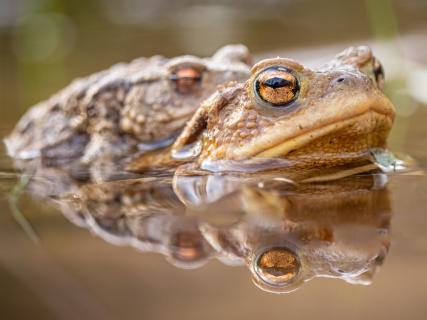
(277, 86)
(378, 73)
(186, 79)
(277, 266)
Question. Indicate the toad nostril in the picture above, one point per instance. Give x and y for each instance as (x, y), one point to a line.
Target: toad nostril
(340, 80)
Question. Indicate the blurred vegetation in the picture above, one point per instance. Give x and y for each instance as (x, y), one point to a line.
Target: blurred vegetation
(382, 18)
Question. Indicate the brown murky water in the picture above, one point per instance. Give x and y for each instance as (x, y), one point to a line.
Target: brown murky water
(153, 248)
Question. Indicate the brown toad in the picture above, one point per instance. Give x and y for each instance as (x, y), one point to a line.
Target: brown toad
(313, 118)
(102, 118)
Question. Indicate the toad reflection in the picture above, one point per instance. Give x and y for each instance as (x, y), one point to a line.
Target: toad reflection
(285, 233)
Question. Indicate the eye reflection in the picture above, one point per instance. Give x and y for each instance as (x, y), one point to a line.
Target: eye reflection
(276, 86)
(277, 266)
(187, 246)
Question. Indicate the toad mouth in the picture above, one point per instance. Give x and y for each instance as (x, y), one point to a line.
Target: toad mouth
(283, 148)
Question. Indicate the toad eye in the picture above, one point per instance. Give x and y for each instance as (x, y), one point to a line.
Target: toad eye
(378, 73)
(186, 79)
(276, 86)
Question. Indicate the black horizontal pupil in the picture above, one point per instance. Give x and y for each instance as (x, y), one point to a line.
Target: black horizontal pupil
(277, 82)
(176, 78)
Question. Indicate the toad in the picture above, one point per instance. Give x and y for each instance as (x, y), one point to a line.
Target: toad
(305, 118)
(100, 119)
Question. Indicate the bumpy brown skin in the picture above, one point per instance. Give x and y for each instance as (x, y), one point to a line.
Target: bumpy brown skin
(104, 117)
(339, 113)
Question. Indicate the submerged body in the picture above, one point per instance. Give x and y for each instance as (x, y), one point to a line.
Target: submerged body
(285, 234)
